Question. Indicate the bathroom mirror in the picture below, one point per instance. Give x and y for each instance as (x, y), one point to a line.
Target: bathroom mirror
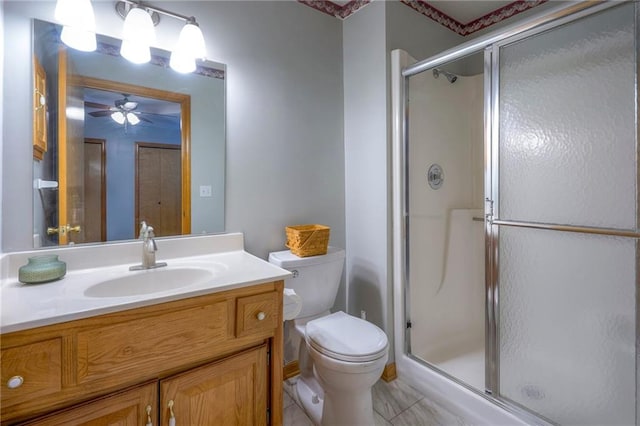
(116, 143)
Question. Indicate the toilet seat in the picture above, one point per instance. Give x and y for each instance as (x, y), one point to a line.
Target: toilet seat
(346, 338)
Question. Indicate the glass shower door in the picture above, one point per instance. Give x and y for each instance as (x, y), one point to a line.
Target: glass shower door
(565, 190)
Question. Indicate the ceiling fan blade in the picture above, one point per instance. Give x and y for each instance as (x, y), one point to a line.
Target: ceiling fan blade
(144, 119)
(103, 113)
(96, 105)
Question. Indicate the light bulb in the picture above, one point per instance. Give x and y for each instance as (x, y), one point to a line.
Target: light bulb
(76, 13)
(137, 53)
(190, 46)
(65, 10)
(118, 117)
(192, 40)
(181, 62)
(79, 23)
(78, 38)
(132, 118)
(137, 35)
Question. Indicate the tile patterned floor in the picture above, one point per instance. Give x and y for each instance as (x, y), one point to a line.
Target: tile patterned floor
(394, 403)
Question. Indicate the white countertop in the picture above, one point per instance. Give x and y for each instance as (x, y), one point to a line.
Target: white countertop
(25, 306)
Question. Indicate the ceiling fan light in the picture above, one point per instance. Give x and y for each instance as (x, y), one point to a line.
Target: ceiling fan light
(138, 53)
(132, 118)
(118, 117)
(78, 38)
(181, 62)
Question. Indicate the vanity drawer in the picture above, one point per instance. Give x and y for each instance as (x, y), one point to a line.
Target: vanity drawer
(34, 370)
(257, 314)
(141, 347)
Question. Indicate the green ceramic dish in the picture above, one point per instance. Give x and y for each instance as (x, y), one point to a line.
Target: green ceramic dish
(42, 269)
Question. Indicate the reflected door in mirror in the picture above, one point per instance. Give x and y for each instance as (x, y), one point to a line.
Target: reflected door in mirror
(70, 156)
(158, 187)
(95, 190)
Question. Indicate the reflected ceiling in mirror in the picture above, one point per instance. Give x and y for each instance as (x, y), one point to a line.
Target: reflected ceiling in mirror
(120, 143)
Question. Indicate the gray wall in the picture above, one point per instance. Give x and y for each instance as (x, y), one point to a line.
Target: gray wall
(285, 157)
(366, 176)
(415, 33)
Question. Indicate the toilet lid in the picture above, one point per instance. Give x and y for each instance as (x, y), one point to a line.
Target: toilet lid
(347, 338)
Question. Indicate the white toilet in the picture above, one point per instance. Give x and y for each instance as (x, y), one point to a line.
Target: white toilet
(341, 357)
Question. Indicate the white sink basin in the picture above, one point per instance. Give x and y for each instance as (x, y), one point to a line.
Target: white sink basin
(150, 281)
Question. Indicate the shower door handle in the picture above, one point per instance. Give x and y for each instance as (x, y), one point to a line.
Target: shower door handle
(488, 209)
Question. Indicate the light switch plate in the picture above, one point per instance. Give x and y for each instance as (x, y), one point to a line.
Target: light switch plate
(205, 190)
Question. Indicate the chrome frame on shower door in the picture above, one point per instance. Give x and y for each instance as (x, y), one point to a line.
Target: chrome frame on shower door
(405, 216)
(492, 352)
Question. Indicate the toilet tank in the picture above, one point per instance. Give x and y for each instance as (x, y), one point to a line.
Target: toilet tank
(315, 279)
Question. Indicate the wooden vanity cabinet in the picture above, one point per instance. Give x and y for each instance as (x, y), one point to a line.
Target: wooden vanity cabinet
(133, 407)
(218, 357)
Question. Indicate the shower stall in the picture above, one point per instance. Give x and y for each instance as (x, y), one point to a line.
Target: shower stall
(516, 219)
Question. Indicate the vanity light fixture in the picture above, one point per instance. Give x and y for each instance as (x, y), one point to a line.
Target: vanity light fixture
(137, 36)
(190, 44)
(79, 24)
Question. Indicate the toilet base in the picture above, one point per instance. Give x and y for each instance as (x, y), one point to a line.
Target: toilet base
(350, 409)
(311, 401)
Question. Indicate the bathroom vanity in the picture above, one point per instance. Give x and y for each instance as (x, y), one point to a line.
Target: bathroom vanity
(209, 352)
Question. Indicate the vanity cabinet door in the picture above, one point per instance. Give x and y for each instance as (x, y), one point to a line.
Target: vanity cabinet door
(132, 407)
(30, 371)
(232, 391)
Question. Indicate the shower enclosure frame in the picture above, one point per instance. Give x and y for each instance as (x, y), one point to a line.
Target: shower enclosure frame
(490, 46)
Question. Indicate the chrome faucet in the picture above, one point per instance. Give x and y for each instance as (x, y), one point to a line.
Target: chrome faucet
(149, 249)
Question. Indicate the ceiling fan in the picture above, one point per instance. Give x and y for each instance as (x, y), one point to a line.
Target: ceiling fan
(123, 112)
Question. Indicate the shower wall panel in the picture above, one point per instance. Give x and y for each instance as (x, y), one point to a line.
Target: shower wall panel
(446, 246)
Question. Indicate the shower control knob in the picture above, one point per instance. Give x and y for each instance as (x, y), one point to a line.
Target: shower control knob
(435, 176)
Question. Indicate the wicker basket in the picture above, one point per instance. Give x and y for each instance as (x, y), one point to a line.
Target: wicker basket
(308, 240)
